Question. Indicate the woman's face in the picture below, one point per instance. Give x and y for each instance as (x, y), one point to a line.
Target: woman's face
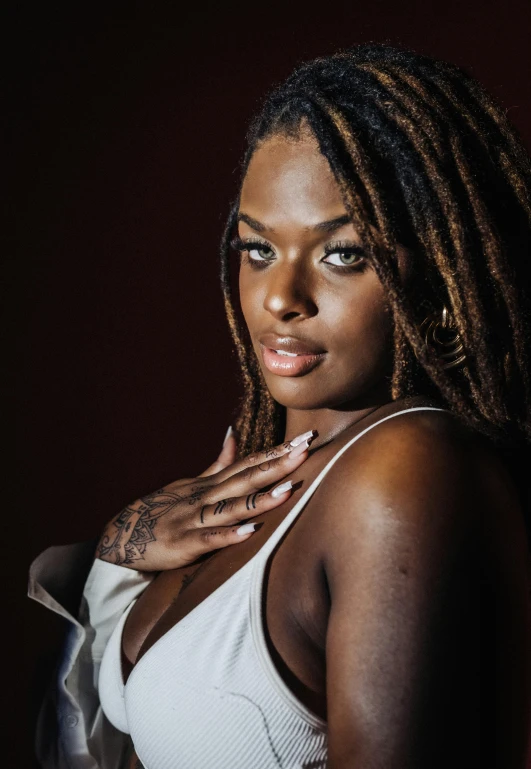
(305, 286)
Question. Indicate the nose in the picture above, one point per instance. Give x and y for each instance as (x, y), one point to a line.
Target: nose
(289, 293)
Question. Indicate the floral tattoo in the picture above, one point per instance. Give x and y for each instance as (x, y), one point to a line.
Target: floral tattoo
(135, 528)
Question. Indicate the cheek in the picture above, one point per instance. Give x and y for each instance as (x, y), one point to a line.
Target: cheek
(251, 299)
(245, 302)
(360, 321)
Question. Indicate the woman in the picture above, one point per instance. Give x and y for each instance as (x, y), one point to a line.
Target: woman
(313, 598)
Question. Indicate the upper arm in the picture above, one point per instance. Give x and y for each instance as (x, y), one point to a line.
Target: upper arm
(402, 564)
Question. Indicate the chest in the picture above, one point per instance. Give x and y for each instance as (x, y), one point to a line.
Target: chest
(294, 605)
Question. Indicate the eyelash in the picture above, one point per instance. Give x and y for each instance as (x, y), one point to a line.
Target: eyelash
(244, 246)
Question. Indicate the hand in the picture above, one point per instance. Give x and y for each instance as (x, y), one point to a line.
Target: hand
(176, 525)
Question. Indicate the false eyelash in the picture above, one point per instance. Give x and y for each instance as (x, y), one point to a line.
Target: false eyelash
(245, 245)
(329, 248)
(345, 247)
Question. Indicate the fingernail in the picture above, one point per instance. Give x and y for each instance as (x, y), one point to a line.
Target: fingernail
(300, 438)
(300, 449)
(228, 434)
(276, 492)
(245, 529)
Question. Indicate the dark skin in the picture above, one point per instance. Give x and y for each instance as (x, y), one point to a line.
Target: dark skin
(372, 596)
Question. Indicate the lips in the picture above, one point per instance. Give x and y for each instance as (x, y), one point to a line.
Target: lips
(290, 344)
(289, 356)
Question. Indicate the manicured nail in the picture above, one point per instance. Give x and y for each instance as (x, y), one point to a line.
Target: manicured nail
(300, 438)
(228, 434)
(245, 529)
(279, 490)
(300, 449)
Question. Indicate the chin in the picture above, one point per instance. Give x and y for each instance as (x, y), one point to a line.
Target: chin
(311, 393)
(300, 393)
(303, 402)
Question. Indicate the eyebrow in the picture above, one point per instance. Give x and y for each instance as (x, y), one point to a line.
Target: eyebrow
(328, 226)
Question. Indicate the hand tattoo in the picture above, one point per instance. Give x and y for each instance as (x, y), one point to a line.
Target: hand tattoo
(135, 528)
(277, 451)
(220, 507)
(250, 502)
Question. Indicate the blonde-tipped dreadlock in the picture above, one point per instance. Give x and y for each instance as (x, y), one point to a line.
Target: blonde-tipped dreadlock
(426, 158)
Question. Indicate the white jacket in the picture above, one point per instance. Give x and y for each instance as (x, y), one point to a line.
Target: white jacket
(72, 731)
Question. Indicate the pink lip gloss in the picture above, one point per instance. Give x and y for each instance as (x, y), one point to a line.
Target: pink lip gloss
(288, 365)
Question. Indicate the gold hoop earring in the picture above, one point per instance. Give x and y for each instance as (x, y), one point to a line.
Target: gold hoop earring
(443, 339)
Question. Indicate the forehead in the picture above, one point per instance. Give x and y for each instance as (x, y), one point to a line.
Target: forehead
(289, 180)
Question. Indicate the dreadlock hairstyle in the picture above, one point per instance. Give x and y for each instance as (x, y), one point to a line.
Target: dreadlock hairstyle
(425, 156)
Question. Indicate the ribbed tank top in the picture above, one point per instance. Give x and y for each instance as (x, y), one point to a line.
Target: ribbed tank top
(207, 694)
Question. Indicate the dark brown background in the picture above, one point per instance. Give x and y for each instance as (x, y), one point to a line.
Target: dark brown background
(127, 129)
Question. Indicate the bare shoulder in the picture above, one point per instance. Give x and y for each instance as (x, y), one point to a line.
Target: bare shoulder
(427, 478)
(420, 460)
(424, 550)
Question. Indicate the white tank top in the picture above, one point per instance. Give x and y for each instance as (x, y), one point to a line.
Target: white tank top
(207, 694)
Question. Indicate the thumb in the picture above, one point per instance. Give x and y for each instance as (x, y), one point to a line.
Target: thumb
(226, 456)
(229, 449)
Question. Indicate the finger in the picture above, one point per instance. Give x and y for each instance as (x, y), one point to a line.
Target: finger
(226, 457)
(215, 537)
(257, 477)
(267, 455)
(230, 511)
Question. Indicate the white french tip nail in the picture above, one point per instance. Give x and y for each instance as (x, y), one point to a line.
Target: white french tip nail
(300, 438)
(245, 529)
(281, 489)
(228, 434)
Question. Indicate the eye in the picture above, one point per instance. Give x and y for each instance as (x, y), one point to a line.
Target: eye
(259, 253)
(345, 255)
(254, 252)
(342, 258)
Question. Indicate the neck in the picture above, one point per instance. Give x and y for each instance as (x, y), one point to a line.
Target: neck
(331, 422)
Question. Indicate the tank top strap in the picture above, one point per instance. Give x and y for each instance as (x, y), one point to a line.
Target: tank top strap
(277, 535)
